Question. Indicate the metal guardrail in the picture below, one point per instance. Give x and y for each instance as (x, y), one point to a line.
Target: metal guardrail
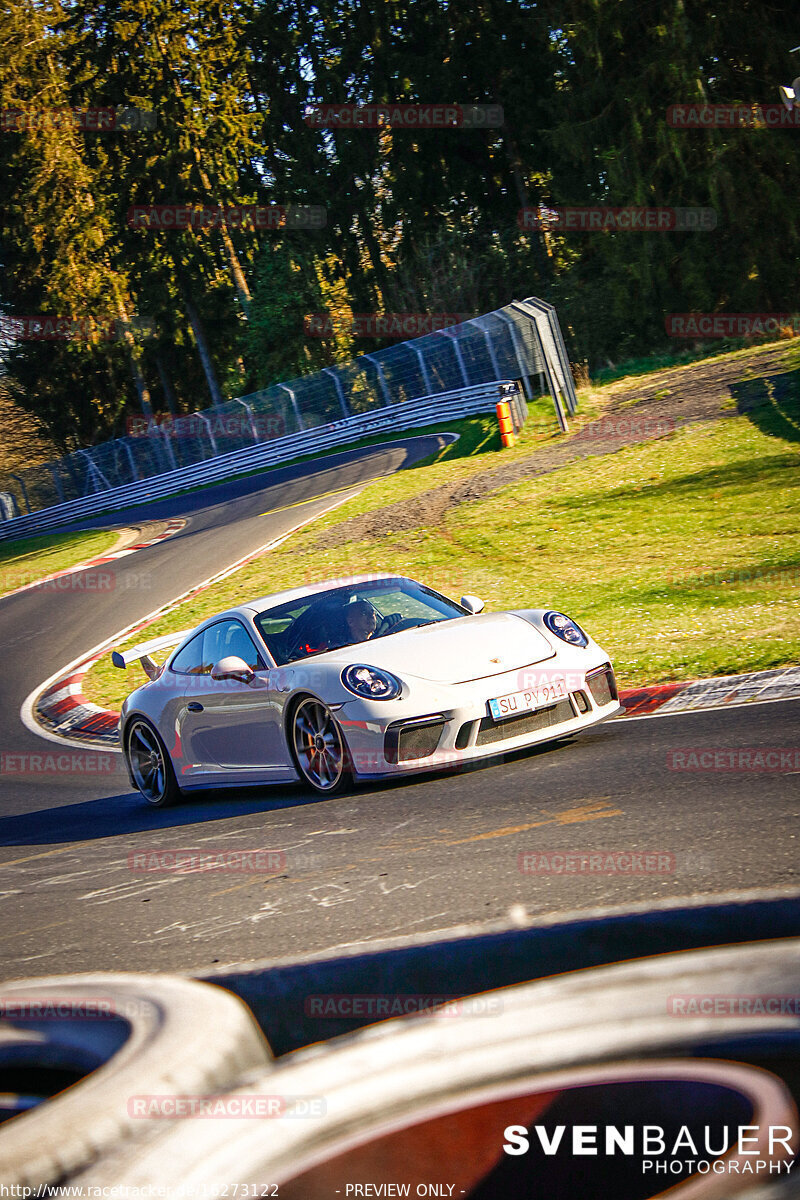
(426, 410)
(520, 341)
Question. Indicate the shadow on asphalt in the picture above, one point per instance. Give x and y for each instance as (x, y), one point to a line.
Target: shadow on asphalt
(128, 813)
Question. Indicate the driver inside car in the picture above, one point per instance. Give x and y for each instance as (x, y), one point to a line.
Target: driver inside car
(362, 621)
(355, 622)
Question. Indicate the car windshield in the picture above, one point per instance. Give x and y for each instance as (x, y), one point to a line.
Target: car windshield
(348, 615)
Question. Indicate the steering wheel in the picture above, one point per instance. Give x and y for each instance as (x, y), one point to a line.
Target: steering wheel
(388, 624)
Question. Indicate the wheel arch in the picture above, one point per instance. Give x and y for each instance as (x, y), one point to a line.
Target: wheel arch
(293, 703)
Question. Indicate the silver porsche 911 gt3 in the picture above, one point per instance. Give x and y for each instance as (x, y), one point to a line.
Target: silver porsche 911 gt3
(363, 678)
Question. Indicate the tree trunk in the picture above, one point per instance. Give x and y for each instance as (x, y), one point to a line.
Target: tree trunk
(237, 274)
(166, 385)
(135, 360)
(543, 263)
(204, 353)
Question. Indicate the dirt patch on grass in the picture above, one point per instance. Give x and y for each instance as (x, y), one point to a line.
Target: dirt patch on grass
(637, 412)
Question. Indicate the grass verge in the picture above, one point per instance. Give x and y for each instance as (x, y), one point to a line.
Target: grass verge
(28, 559)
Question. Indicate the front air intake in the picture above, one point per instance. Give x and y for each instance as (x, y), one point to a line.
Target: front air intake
(602, 685)
(408, 741)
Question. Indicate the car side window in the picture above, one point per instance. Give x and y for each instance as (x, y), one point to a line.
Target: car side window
(227, 638)
(189, 660)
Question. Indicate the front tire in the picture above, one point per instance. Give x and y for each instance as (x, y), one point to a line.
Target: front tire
(150, 765)
(318, 748)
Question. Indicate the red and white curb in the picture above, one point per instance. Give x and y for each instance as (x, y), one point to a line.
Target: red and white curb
(50, 582)
(721, 691)
(65, 711)
(638, 701)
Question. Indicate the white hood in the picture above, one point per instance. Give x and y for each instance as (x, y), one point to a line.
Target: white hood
(456, 651)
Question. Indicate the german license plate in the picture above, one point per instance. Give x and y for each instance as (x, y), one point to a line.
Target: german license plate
(528, 701)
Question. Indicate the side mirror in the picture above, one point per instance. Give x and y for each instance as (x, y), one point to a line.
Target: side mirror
(233, 667)
(473, 604)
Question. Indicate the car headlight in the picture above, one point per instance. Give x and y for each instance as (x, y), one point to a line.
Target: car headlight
(370, 682)
(565, 628)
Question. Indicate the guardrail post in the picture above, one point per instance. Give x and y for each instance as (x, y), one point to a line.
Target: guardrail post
(211, 437)
(297, 414)
(131, 462)
(339, 390)
(57, 482)
(251, 420)
(426, 379)
(8, 506)
(168, 446)
(459, 356)
(489, 345)
(21, 483)
(94, 473)
(387, 398)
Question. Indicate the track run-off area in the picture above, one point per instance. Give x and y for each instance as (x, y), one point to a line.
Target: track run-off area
(614, 817)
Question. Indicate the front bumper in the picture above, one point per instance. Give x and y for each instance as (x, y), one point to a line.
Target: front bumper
(385, 743)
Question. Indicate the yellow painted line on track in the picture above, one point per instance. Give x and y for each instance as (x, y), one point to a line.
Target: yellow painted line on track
(355, 488)
(44, 854)
(254, 881)
(588, 812)
(37, 929)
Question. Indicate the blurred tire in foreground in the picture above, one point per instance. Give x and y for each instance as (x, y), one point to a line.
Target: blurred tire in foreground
(106, 1037)
(427, 1099)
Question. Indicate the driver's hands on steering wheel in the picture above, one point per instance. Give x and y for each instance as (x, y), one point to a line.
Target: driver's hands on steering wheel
(388, 623)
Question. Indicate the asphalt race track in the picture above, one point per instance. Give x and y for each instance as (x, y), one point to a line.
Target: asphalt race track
(430, 854)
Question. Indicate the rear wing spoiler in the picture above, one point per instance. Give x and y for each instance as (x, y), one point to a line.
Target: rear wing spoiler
(141, 653)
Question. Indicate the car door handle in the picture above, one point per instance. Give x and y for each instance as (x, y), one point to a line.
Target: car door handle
(194, 706)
